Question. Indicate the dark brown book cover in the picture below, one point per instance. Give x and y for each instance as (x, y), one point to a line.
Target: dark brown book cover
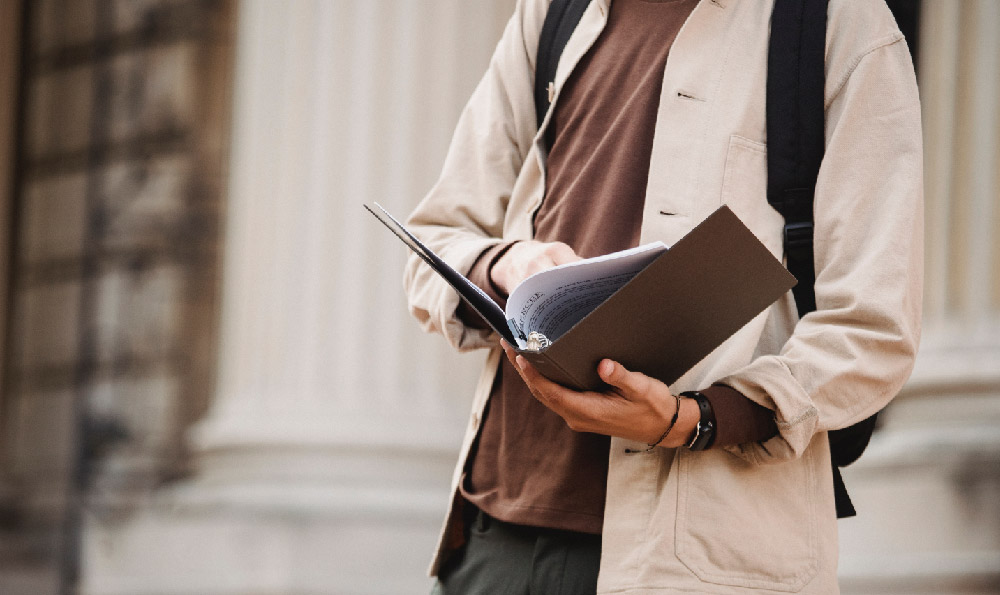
(676, 311)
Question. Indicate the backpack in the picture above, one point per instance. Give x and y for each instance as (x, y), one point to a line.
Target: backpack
(795, 133)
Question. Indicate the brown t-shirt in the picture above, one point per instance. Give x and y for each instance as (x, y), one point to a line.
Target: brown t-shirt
(527, 466)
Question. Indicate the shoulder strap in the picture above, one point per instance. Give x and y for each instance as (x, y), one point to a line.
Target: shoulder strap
(560, 21)
(795, 135)
(795, 146)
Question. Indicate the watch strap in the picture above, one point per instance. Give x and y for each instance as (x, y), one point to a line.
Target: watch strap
(704, 432)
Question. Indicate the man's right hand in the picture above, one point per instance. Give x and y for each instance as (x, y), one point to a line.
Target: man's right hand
(526, 258)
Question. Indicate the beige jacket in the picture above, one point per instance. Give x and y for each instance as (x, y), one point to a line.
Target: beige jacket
(759, 517)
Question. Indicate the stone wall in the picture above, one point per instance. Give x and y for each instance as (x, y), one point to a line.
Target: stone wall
(115, 261)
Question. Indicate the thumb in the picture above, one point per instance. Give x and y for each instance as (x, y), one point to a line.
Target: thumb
(628, 383)
(562, 253)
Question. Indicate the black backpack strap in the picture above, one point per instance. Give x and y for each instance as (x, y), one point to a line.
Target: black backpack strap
(846, 445)
(560, 22)
(795, 146)
(795, 135)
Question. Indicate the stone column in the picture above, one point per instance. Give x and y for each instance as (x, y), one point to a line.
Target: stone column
(10, 45)
(326, 455)
(926, 491)
(337, 104)
(114, 192)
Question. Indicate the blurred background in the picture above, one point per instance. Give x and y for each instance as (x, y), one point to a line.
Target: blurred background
(210, 383)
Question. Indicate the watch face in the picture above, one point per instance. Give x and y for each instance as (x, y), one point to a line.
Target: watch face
(709, 434)
(703, 435)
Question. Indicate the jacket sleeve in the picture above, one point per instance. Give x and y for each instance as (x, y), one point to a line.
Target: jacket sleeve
(846, 360)
(463, 214)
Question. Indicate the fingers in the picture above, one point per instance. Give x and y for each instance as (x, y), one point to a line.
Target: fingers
(511, 354)
(549, 393)
(638, 407)
(582, 411)
(541, 256)
(527, 258)
(628, 384)
(540, 386)
(561, 253)
(536, 265)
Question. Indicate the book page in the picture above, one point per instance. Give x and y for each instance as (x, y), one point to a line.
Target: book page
(553, 300)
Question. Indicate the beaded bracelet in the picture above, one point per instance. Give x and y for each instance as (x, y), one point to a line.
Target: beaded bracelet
(673, 421)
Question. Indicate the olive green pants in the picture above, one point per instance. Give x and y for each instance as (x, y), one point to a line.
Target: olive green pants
(504, 559)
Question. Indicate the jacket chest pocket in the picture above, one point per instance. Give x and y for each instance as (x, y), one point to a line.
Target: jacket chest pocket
(744, 190)
(746, 525)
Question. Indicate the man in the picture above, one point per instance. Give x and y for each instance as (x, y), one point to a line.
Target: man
(657, 118)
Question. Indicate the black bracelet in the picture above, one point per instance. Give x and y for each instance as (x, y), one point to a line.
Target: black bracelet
(673, 421)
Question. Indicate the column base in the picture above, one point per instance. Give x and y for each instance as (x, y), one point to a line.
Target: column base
(282, 517)
(926, 489)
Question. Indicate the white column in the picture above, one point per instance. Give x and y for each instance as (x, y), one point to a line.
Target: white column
(326, 456)
(337, 104)
(328, 394)
(926, 490)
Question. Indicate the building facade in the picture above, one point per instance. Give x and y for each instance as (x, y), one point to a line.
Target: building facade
(210, 382)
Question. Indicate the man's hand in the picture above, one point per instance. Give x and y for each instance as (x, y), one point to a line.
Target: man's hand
(526, 258)
(637, 407)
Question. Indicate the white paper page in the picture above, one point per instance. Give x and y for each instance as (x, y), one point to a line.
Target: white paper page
(554, 300)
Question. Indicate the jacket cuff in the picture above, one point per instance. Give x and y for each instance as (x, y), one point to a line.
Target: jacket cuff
(738, 420)
(769, 383)
(433, 301)
(479, 274)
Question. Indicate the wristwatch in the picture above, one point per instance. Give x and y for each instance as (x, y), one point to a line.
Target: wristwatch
(704, 432)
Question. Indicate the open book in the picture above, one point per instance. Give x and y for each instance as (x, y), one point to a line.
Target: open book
(547, 304)
(654, 309)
